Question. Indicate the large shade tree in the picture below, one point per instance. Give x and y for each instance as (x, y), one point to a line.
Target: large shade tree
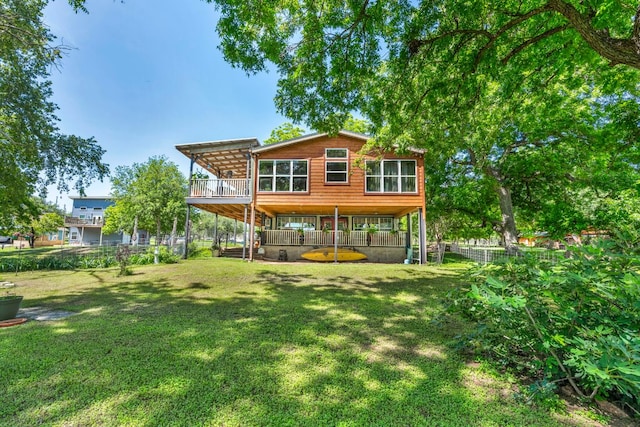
(481, 84)
(34, 154)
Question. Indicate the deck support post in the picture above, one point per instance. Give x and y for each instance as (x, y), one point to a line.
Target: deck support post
(187, 229)
(253, 211)
(335, 235)
(252, 231)
(244, 234)
(408, 239)
(423, 236)
(215, 230)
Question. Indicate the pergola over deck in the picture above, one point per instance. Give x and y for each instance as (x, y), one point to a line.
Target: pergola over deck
(229, 192)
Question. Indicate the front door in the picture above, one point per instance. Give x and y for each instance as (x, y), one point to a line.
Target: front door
(328, 223)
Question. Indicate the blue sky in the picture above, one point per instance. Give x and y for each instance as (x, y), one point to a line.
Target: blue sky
(144, 75)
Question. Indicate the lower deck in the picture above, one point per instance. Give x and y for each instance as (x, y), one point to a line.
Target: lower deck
(378, 254)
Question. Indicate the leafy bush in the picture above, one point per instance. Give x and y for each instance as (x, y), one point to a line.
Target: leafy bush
(123, 256)
(576, 321)
(102, 259)
(165, 256)
(196, 251)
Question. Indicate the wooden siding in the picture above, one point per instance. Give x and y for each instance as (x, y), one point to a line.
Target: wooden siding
(322, 197)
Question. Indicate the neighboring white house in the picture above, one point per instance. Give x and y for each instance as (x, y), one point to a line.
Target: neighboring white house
(86, 222)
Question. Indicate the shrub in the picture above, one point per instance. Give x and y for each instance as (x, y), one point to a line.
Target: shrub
(102, 258)
(165, 256)
(575, 321)
(196, 252)
(123, 256)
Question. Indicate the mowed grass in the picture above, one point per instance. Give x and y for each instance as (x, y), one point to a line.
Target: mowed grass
(223, 342)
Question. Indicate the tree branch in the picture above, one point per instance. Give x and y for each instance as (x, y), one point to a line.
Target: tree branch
(532, 41)
(416, 44)
(566, 372)
(616, 50)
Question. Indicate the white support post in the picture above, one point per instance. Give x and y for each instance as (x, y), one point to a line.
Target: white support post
(252, 231)
(215, 230)
(423, 236)
(244, 238)
(335, 235)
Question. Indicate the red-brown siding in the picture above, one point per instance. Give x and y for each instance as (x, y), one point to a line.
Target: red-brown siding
(350, 198)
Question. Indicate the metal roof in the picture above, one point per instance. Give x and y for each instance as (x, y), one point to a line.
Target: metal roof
(224, 158)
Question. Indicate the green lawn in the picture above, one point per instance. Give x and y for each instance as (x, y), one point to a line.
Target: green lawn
(224, 342)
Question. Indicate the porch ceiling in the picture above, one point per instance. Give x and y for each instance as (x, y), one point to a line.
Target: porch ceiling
(230, 211)
(221, 157)
(396, 211)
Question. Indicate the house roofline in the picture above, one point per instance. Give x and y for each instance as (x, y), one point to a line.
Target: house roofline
(198, 147)
(312, 136)
(91, 197)
(308, 137)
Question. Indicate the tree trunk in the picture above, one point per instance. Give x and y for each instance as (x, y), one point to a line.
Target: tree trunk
(134, 234)
(156, 252)
(174, 232)
(508, 225)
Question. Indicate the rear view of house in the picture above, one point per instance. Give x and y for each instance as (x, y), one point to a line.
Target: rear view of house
(86, 222)
(316, 191)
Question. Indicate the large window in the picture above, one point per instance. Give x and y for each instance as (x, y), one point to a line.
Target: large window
(306, 223)
(391, 176)
(283, 175)
(382, 223)
(336, 165)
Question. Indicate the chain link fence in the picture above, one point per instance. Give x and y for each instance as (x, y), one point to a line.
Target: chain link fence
(487, 255)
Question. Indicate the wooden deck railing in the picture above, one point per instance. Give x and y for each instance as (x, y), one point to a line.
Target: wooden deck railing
(224, 188)
(74, 221)
(323, 238)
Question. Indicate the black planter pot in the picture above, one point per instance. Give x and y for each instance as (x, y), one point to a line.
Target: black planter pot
(9, 306)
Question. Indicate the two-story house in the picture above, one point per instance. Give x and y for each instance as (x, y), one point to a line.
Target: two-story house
(315, 192)
(86, 222)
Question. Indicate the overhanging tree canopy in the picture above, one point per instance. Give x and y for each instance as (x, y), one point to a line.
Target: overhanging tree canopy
(481, 83)
(333, 55)
(33, 152)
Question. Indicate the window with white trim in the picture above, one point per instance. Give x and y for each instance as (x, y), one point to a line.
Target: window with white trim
(291, 222)
(283, 175)
(362, 223)
(336, 165)
(391, 176)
